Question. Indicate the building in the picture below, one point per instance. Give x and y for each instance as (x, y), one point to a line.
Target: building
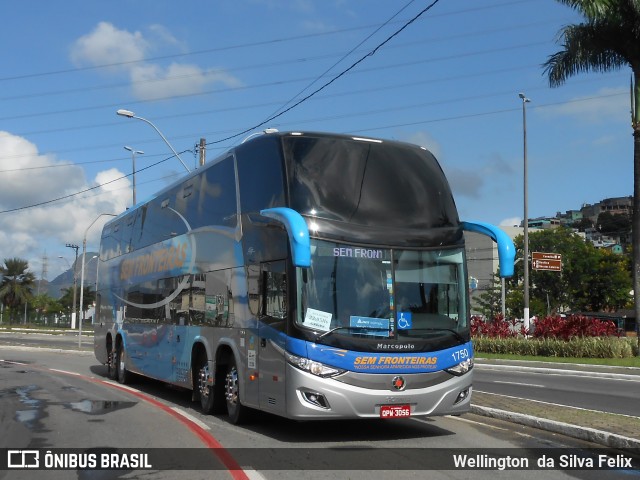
(543, 222)
(482, 261)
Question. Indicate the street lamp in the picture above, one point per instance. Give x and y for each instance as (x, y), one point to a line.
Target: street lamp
(84, 253)
(129, 114)
(75, 283)
(525, 100)
(133, 161)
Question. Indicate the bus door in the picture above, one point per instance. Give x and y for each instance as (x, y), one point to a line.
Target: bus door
(272, 327)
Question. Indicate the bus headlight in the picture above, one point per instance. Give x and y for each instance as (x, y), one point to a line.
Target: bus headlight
(461, 368)
(311, 366)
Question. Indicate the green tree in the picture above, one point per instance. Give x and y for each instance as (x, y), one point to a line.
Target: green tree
(88, 297)
(17, 284)
(66, 300)
(607, 286)
(489, 302)
(610, 224)
(46, 305)
(582, 224)
(608, 39)
(590, 280)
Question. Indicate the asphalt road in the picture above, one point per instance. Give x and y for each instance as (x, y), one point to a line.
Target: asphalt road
(53, 399)
(595, 391)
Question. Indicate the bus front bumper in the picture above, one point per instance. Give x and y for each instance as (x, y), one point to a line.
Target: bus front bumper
(313, 397)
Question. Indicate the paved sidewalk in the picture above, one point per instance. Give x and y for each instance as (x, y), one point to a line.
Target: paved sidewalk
(613, 430)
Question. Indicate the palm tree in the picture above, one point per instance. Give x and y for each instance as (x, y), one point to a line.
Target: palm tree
(609, 39)
(17, 284)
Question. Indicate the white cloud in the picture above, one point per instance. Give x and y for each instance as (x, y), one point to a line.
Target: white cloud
(108, 45)
(35, 178)
(602, 106)
(28, 177)
(165, 36)
(126, 51)
(425, 140)
(511, 222)
(152, 81)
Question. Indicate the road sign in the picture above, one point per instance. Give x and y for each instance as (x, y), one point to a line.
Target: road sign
(546, 261)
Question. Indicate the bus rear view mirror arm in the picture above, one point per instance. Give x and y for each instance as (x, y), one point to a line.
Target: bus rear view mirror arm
(298, 233)
(506, 249)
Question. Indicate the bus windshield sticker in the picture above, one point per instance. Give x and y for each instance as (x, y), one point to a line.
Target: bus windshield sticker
(379, 326)
(317, 319)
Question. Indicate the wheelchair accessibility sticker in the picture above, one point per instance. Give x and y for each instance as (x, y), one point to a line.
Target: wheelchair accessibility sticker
(404, 320)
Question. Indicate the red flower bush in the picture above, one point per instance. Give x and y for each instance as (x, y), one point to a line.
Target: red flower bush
(496, 328)
(573, 326)
(549, 327)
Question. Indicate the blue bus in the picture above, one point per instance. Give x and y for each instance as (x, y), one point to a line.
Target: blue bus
(309, 275)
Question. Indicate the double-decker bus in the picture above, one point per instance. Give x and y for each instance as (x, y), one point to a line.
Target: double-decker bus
(309, 275)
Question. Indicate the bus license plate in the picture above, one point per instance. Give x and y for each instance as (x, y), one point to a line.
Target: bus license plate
(395, 411)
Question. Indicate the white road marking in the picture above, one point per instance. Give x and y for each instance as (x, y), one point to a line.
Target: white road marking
(191, 418)
(518, 383)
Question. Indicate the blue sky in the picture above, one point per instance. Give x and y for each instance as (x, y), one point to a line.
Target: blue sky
(212, 69)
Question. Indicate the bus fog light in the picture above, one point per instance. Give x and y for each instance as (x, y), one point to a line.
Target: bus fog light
(315, 398)
(463, 395)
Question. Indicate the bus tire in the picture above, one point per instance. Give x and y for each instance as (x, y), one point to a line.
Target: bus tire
(211, 396)
(112, 370)
(122, 374)
(237, 412)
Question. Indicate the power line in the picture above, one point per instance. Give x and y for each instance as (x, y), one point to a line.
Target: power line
(238, 46)
(334, 79)
(344, 57)
(46, 202)
(351, 115)
(447, 57)
(371, 53)
(305, 60)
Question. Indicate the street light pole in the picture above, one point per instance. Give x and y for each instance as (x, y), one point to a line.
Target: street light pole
(525, 100)
(133, 161)
(84, 253)
(75, 283)
(129, 114)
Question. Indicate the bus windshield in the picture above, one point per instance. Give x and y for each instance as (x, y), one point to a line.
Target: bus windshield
(381, 293)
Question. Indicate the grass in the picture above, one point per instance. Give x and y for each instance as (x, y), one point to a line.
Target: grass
(614, 362)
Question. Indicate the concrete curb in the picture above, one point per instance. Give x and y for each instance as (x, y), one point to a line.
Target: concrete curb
(559, 371)
(600, 437)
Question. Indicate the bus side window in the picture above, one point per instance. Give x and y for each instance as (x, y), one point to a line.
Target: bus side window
(274, 294)
(253, 289)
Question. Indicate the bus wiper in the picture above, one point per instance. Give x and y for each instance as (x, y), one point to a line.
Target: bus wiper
(329, 332)
(455, 334)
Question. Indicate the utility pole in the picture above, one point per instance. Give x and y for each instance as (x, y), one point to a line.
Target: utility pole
(202, 149)
(75, 282)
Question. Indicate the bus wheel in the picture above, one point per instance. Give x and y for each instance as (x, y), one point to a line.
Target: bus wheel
(112, 371)
(211, 396)
(237, 412)
(122, 374)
